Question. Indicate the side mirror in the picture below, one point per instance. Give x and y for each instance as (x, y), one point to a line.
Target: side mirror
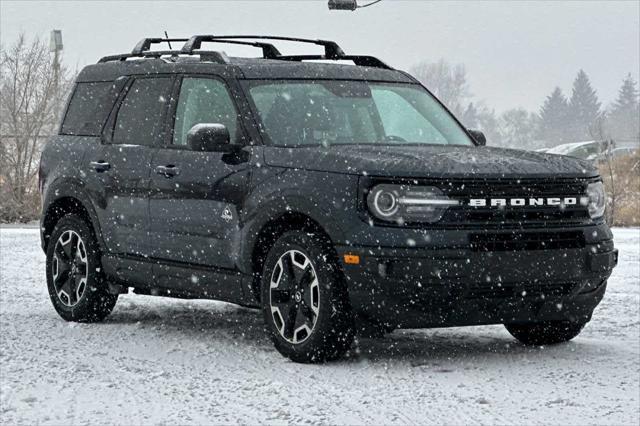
(478, 136)
(209, 137)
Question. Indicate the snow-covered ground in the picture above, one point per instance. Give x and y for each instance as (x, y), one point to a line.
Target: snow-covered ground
(159, 360)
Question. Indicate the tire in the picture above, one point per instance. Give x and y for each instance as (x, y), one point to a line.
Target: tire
(545, 333)
(304, 300)
(75, 280)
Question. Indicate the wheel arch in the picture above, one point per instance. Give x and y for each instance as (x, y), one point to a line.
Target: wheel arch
(63, 205)
(269, 233)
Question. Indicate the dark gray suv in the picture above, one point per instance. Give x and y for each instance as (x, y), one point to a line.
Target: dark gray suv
(338, 198)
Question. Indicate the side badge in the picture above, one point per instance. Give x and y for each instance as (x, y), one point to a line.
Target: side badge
(226, 215)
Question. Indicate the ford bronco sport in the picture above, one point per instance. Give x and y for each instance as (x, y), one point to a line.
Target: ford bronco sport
(339, 198)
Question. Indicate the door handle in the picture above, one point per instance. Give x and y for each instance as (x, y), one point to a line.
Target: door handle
(168, 171)
(100, 166)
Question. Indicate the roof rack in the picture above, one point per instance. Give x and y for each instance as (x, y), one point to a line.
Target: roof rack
(331, 48)
(192, 47)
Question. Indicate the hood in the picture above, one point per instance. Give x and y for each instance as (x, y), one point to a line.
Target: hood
(432, 161)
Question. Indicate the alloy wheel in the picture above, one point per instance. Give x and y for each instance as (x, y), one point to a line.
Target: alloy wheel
(294, 296)
(70, 268)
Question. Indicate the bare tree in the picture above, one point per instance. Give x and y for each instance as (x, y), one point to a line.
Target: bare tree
(32, 88)
(448, 82)
(598, 131)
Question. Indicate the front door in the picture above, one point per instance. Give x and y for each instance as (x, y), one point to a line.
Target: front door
(123, 165)
(195, 196)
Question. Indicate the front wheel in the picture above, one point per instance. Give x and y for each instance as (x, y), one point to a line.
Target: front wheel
(304, 300)
(74, 274)
(545, 333)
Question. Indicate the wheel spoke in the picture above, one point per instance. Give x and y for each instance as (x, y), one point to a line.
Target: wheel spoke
(306, 277)
(61, 253)
(80, 254)
(66, 286)
(60, 269)
(307, 312)
(279, 296)
(289, 271)
(68, 245)
(79, 287)
(290, 321)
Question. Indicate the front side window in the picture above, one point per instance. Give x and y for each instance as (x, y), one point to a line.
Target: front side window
(203, 100)
(140, 117)
(352, 112)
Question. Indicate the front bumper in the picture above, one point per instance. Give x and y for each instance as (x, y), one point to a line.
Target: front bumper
(435, 287)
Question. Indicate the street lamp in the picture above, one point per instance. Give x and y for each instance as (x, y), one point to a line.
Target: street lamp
(55, 43)
(348, 4)
(55, 46)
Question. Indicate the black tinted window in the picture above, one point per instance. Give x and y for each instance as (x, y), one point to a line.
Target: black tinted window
(89, 107)
(139, 120)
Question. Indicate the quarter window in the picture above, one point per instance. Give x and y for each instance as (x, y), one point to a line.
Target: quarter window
(89, 107)
(140, 117)
(203, 100)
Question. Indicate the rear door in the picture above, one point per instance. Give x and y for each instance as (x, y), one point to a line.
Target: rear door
(123, 164)
(195, 196)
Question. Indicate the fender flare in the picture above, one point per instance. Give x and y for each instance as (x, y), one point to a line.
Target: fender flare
(75, 189)
(273, 209)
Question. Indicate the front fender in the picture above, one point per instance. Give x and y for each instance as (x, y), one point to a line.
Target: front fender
(323, 197)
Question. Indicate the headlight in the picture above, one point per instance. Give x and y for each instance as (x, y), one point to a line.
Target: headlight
(595, 199)
(408, 203)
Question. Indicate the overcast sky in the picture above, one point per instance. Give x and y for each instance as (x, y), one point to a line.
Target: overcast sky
(515, 52)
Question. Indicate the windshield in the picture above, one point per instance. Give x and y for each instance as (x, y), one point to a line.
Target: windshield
(352, 112)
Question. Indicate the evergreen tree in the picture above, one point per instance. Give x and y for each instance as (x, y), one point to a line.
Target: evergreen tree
(479, 117)
(553, 118)
(624, 115)
(584, 108)
(518, 128)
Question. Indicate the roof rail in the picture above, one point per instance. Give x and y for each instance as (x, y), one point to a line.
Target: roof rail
(331, 48)
(212, 56)
(360, 60)
(145, 44)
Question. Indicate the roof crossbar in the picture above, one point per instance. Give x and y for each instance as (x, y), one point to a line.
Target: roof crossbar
(145, 44)
(331, 48)
(269, 51)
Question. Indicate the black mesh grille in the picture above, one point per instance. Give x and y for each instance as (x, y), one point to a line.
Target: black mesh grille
(520, 291)
(513, 241)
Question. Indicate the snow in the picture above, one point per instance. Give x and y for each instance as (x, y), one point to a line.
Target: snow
(157, 360)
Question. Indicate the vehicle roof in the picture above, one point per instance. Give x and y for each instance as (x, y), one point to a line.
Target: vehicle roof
(242, 68)
(567, 147)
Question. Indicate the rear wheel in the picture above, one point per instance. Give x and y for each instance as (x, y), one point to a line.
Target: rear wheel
(74, 276)
(304, 300)
(545, 333)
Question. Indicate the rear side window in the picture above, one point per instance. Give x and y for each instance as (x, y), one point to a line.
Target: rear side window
(139, 120)
(88, 109)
